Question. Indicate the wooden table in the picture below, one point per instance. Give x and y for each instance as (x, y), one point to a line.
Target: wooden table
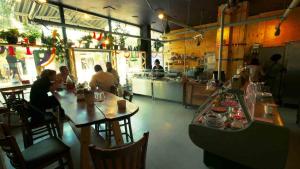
(13, 86)
(84, 116)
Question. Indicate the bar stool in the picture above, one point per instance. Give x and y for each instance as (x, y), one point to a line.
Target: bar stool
(9, 96)
(126, 125)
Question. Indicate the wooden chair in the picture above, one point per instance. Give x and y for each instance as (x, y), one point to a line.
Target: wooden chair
(37, 156)
(9, 96)
(33, 131)
(127, 95)
(114, 90)
(131, 156)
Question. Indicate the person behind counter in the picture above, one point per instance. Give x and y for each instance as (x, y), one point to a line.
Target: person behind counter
(256, 72)
(40, 99)
(102, 80)
(273, 76)
(112, 71)
(63, 77)
(157, 70)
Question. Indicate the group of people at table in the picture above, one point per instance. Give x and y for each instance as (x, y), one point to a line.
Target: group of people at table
(42, 90)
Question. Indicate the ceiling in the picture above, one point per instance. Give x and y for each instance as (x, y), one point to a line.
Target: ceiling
(191, 12)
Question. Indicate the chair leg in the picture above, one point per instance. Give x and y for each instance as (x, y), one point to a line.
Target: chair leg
(69, 160)
(8, 119)
(126, 130)
(61, 163)
(130, 129)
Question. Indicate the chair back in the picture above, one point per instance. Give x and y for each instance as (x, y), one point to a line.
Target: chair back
(10, 147)
(127, 95)
(131, 156)
(11, 95)
(114, 90)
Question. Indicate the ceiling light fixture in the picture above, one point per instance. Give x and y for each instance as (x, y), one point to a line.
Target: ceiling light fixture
(161, 16)
(277, 31)
(42, 1)
(86, 16)
(106, 41)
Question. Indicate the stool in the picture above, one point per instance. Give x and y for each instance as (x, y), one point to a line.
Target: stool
(9, 96)
(127, 129)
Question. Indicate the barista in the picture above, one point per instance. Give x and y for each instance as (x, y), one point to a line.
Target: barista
(157, 70)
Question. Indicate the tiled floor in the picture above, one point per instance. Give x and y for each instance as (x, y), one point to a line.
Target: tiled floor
(169, 145)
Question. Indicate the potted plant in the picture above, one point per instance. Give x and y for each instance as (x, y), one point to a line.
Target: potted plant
(157, 45)
(32, 32)
(111, 41)
(87, 40)
(122, 42)
(11, 36)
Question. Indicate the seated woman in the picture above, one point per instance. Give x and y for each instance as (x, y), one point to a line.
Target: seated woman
(40, 99)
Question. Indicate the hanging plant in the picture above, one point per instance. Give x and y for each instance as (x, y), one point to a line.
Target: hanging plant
(11, 36)
(157, 45)
(56, 46)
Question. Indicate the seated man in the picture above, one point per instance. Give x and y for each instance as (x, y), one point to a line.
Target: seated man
(61, 78)
(112, 71)
(102, 80)
(39, 96)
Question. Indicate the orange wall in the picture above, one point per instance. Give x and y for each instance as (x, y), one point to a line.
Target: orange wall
(262, 32)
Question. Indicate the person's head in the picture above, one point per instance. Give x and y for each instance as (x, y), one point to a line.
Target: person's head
(254, 61)
(157, 62)
(97, 68)
(64, 70)
(275, 58)
(108, 66)
(49, 74)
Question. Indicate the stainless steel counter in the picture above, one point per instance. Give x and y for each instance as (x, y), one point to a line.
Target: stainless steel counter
(158, 88)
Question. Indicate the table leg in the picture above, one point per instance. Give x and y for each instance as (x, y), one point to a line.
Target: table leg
(117, 133)
(85, 136)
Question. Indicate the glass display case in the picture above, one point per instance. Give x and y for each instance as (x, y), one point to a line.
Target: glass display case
(226, 129)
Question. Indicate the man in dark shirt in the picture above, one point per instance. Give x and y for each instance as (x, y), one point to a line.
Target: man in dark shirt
(39, 98)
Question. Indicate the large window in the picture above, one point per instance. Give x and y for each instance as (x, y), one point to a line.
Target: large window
(85, 20)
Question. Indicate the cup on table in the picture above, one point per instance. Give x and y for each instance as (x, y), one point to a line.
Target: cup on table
(121, 105)
(89, 97)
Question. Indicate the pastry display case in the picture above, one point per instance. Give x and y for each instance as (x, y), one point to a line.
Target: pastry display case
(228, 129)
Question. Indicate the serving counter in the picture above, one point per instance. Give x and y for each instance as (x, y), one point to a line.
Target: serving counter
(158, 88)
(236, 136)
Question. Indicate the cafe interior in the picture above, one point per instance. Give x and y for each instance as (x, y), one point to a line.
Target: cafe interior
(156, 84)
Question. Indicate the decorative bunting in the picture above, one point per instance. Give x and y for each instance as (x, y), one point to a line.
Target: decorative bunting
(11, 51)
(100, 37)
(28, 52)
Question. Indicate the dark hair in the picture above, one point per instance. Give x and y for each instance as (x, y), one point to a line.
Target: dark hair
(61, 68)
(157, 61)
(97, 68)
(254, 61)
(275, 57)
(47, 73)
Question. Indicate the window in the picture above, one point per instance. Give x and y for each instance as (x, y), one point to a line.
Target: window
(73, 17)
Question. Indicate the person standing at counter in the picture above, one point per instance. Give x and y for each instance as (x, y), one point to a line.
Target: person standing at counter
(157, 70)
(102, 80)
(112, 71)
(273, 76)
(256, 72)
